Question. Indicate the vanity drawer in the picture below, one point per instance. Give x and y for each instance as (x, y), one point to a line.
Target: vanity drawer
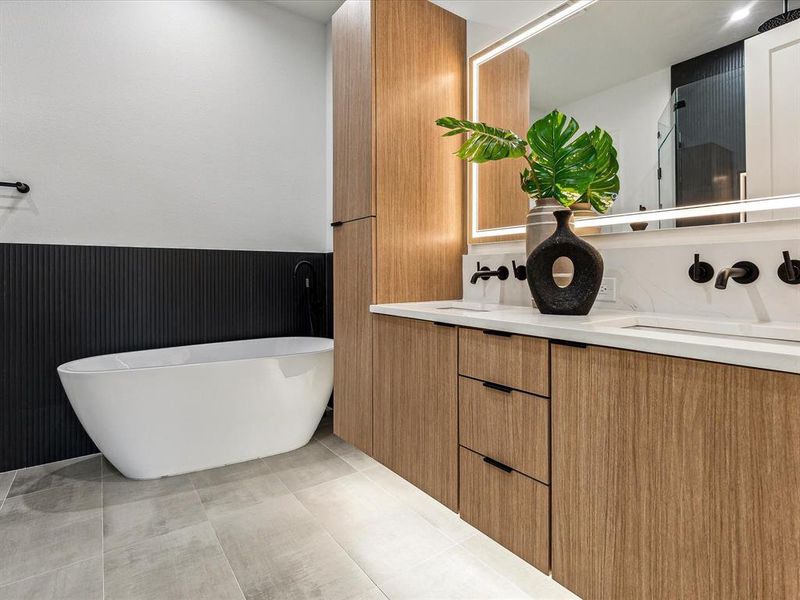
(508, 425)
(517, 361)
(509, 507)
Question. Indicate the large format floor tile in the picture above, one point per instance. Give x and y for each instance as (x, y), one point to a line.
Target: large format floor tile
(437, 514)
(78, 581)
(5, 484)
(526, 577)
(307, 466)
(125, 524)
(117, 489)
(454, 573)
(237, 487)
(350, 454)
(36, 479)
(188, 563)
(49, 529)
(278, 550)
(381, 534)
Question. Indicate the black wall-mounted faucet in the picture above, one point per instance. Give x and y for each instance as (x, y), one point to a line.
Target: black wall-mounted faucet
(485, 273)
(741, 272)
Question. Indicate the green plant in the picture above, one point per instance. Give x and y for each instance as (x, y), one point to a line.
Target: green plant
(561, 165)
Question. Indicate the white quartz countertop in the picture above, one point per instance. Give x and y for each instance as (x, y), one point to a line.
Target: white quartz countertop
(775, 347)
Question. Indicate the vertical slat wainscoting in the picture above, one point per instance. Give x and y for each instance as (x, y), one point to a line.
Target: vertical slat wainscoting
(60, 303)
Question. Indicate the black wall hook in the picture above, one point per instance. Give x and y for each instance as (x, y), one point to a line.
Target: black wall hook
(789, 270)
(22, 188)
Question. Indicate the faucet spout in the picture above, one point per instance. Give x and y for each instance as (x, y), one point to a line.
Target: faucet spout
(724, 275)
(484, 273)
(741, 272)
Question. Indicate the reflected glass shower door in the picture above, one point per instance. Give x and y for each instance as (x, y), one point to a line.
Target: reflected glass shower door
(703, 154)
(666, 160)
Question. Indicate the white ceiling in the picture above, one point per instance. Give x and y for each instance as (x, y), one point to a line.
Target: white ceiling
(503, 15)
(616, 41)
(317, 10)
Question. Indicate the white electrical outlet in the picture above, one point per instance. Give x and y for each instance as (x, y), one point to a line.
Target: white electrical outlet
(608, 290)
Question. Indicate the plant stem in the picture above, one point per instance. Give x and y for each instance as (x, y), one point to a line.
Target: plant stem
(533, 174)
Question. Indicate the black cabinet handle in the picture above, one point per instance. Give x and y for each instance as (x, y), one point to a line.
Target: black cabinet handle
(337, 223)
(497, 333)
(440, 324)
(497, 386)
(568, 343)
(498, 464)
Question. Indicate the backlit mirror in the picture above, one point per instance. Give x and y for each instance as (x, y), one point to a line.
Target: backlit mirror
(702, 107)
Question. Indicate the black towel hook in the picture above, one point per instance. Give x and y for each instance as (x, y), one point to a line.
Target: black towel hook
(22, 188)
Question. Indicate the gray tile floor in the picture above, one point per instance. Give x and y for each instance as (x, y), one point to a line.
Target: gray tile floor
(325, 521)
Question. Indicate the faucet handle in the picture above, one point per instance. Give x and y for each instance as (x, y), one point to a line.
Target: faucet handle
(699, 271)
(480, 268)
(520, 272)
(789, 269)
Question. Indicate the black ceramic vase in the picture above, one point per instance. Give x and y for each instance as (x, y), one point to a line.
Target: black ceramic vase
(578, 297)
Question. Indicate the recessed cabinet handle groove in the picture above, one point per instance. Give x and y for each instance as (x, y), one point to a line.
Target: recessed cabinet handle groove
(497, 386)
(498, 464)
(497, 333)
(441, 324)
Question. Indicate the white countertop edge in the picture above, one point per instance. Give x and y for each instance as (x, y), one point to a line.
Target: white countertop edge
(589, 330)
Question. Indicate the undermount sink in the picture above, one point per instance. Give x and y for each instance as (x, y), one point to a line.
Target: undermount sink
(785, 332)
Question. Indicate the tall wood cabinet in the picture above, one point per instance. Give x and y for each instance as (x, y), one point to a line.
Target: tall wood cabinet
(398, 191)
(673, 478)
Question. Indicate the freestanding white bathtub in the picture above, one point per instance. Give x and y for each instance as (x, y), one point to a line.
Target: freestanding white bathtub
(176, 410)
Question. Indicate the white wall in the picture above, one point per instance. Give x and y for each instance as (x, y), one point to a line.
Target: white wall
(178, 124)
(329, 135)
(629, 112)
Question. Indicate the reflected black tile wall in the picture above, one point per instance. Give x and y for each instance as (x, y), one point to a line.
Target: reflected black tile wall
(60, 303)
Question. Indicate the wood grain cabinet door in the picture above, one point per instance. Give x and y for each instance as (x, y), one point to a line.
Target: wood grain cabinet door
(353, 292)
(416, 404)
(673, 478)
(351, 41)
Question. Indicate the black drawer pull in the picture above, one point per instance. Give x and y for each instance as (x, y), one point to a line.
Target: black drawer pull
(568, 343)
(440, 324)
(497, 386)
(498, 464)
(337, 223)
(497, 333)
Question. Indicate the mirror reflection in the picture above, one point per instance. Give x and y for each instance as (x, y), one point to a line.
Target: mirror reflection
(702, 108)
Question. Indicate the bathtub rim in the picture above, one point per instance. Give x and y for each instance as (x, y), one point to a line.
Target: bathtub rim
(66, 367)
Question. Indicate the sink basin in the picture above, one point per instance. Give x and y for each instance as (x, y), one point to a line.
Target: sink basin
(785, 332)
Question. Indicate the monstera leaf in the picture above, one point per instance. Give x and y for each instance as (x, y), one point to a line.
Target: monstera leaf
(562, 165)
(485, 143)
(603, 189)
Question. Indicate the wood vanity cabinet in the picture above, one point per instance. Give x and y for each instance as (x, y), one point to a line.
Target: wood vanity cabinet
(504, 458)
(416, 404)
(673, 478)
(398, 191)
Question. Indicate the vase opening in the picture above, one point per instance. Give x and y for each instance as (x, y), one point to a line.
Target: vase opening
(563, 270)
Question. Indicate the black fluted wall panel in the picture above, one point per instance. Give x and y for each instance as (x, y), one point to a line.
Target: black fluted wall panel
(60, 303)
(710, 152)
